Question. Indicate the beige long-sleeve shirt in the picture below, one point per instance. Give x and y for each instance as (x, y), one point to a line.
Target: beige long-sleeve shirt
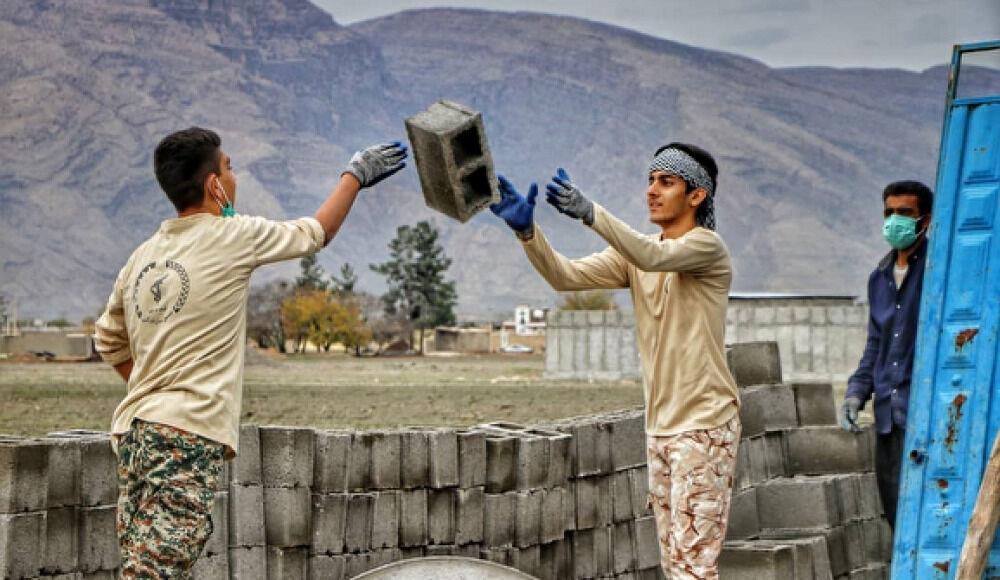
(680, 290)
(178, 310)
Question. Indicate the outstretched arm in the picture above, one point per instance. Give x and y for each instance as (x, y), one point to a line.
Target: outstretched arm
(606, 269)
(367, 167)
(691, 253)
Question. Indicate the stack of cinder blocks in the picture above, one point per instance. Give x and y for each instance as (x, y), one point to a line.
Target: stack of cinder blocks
(57, 507)
(805, 503)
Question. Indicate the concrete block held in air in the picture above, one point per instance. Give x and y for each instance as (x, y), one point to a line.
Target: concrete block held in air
(453, 159)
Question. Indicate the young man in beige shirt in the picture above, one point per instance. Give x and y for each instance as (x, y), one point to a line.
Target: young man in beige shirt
(175, 330)
(679, 281)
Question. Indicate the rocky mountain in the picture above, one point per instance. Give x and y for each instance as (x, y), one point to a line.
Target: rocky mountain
(88, 87)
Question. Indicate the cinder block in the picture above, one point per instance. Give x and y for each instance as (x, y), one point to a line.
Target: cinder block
(552, 525)
(498, 555)
(414, 552)
(98, 541)
(63, 473)
(287, 516)
(384, 556)
(386, 452)
(385, 520)
(603, 550)
(329, 521)
(621, 497)
(822, 450)
(325, 567)
(218, 542)
(647, 543)
(443, 450)
(453, 159)
(287, 563)
(835, 544)
(359, 472)
(23, 478)
(96, 575)
(248, 563)
(98, 472)
(62, 538)
(414, 459)
(767, 408)
(560, 464)
(799, 502)
(743, 519)
(287, 456)
(527, 559)
(413, 518)
(246, 466)
(593, 502)
(498, 520)
(848, 496)
(628, 440)
(331, 462)
(471, 459)
(441, 516)
(749, 561)
(869, 501)
(623, 547)
(639, 486)
(469, 518)
(775, 460)
(527, 518)
(584, 561)
(211, 567)
(554, 561)
(804, 565)
(246, 515)
(21, 535)
(501, 474)
(741, 478)
(814, 403)
(755, 363)
(532, 462)
(592, 448)
(757, 454)
(358, 525)
(357, 564)
(854, 545)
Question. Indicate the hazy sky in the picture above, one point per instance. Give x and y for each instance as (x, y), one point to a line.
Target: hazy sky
(911, 34)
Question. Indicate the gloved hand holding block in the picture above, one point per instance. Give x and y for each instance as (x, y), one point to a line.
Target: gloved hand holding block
(453, 159)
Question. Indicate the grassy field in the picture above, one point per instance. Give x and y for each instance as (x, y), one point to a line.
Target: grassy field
(326, 391)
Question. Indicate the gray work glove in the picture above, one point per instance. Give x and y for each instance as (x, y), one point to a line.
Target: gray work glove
(849, 414)
(375, 163)
(566, 197)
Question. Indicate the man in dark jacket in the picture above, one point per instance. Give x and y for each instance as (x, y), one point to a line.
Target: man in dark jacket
(894, 302)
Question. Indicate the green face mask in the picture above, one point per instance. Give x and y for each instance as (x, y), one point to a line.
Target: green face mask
(900, 231)
(226, 210)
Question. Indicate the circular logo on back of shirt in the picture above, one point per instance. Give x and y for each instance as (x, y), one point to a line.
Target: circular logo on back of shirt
(160, 291)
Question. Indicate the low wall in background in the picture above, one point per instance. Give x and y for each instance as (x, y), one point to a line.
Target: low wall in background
(59, 344)
(819, 338)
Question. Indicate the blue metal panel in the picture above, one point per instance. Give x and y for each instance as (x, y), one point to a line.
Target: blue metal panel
(955, 392)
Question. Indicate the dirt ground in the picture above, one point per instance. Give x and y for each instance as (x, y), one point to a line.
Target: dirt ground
(326, 391)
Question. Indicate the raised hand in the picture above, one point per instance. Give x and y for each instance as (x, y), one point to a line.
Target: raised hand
(373, 164)
(515, 209)
(567, 198)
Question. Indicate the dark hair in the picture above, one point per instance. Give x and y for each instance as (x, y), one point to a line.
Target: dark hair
(707, 162)
(182, 160)
(923, 193)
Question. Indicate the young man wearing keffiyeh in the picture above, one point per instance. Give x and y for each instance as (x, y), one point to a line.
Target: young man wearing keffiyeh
(679, 281)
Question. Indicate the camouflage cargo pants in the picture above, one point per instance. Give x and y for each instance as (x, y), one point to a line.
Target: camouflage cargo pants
(166, 488)
(690, 490)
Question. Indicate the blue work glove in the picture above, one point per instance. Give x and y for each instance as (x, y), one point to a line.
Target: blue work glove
(515, 209)
(566, 197)
(373, 164)
(849, 414)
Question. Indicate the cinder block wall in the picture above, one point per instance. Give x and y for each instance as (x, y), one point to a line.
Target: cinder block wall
(563, 500)
(819, 339)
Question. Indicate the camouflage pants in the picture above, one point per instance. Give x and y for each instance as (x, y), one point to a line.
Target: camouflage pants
(166, 488)
(690, 490)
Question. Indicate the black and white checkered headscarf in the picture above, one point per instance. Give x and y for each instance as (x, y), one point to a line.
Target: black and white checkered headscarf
(679, 163)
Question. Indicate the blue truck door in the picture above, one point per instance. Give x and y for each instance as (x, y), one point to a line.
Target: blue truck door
(955, 392)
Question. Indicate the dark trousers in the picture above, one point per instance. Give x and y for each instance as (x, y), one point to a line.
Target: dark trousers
(888, 457)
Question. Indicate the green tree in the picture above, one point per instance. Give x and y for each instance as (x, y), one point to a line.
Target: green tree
(345, 283)
(415, 279)
(312, 276)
